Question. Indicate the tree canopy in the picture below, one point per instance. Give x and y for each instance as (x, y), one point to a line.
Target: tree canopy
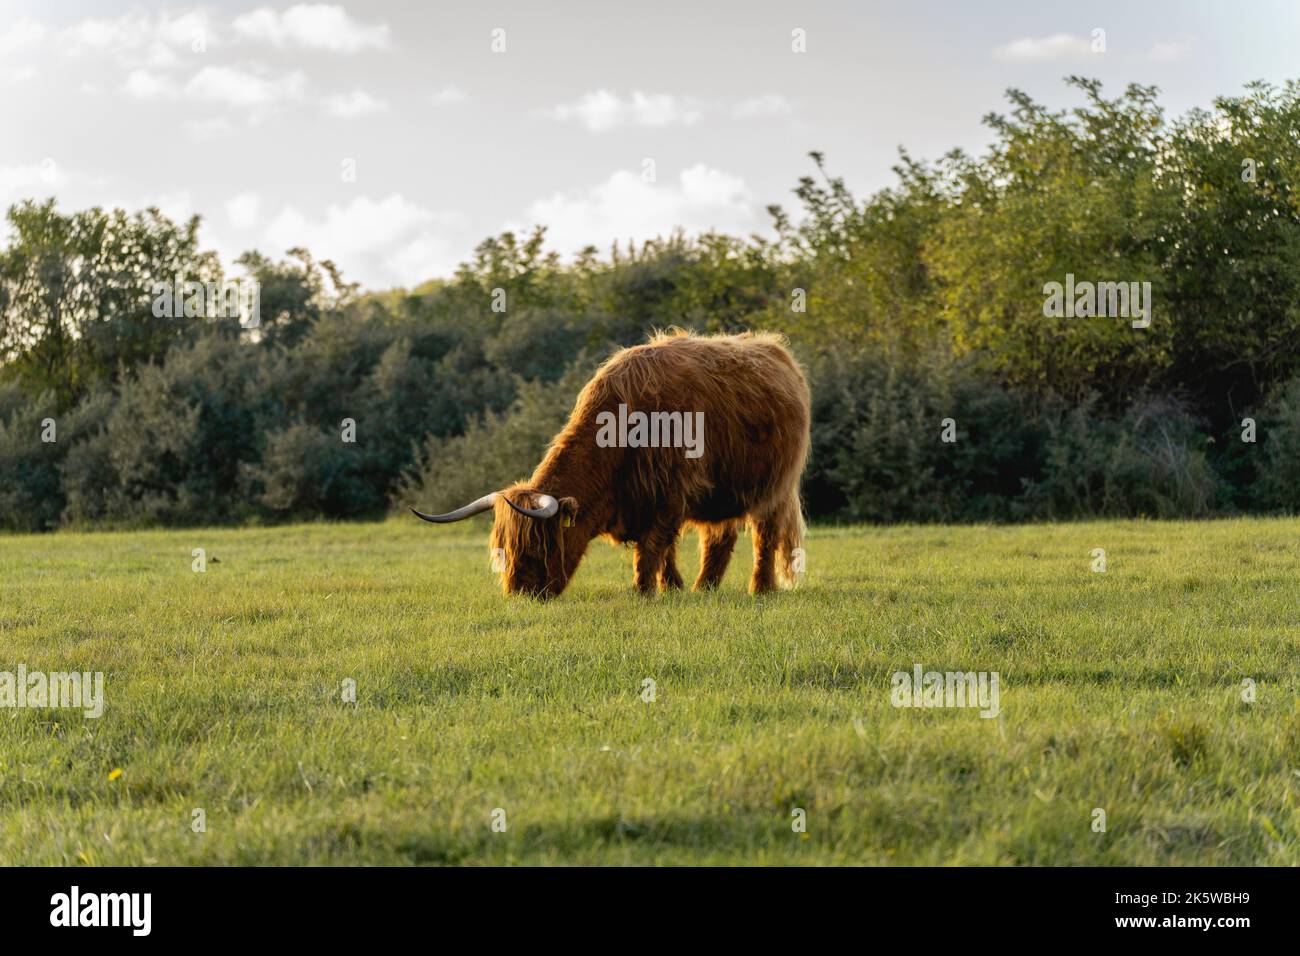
(920, 303)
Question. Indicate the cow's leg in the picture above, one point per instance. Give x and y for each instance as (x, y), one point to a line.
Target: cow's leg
(651, 550)
(766, 538)
(669, 577)
(716, 544)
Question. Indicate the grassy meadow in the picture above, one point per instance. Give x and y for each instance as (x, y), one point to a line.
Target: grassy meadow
(224, 691)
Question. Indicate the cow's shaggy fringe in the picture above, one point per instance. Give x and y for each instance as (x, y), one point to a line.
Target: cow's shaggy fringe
(756, 409)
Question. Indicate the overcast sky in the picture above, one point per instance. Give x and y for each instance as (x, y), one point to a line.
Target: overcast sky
(250, 114)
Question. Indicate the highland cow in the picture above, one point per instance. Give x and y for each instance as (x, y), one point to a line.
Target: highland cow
(729, 420)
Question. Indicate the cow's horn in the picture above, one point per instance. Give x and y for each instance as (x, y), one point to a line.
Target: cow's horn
(460, 514)
(546, 507)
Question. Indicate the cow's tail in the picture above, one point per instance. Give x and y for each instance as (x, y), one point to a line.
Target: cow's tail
(790, 558)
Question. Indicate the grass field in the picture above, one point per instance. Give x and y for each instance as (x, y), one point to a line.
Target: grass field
(224, 692)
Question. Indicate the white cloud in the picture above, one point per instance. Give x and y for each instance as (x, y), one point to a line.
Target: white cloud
(770, 104)
(137, 39)
(313, 26)
(448, 95)
(185, 28)
(242, 210)
(245, 89)
(385, 243)
(73, 188)
(20, 35)
(1045, 48)
(207, 130)
(1166, 51)
(231, 86)
(147, 85)
(356, 103)
(238, 87)
(627, 207)
(602, 110)
(29, 181)
(177, 205)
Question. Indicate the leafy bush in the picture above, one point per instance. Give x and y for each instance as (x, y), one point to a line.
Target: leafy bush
(30, 494)
(921, 303)
(307, 471)
(1151, 462)
(878, 452)
(1279, 442)
(494, 452)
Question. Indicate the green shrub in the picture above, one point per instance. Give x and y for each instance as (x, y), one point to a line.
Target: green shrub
(495, 451)
(1278, 438)
(31, 498)
(307, 471)
(1151, 462)
(878, 448)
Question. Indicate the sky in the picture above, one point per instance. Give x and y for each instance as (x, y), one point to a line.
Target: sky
(393, 137)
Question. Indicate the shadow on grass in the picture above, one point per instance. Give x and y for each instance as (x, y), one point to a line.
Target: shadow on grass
(711, 833)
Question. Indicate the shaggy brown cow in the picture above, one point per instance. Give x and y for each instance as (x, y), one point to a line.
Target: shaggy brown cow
(734, 451)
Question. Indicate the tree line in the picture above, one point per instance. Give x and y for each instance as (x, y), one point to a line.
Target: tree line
(946, 385)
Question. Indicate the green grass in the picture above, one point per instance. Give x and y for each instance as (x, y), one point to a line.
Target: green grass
(1120, 690)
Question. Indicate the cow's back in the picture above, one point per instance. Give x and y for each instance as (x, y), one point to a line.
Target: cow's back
(755, 406)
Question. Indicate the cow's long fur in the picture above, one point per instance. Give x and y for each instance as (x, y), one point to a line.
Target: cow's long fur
(756, 427)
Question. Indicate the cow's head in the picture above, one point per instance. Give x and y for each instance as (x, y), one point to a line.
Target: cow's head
(535, 536)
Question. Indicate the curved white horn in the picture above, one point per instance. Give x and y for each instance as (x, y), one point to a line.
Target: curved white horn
(460, 514)
(546, 507)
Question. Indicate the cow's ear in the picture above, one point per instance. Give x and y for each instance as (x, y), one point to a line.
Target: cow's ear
(568, 511)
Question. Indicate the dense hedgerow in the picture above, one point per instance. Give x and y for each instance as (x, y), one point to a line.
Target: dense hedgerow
(918, 313)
